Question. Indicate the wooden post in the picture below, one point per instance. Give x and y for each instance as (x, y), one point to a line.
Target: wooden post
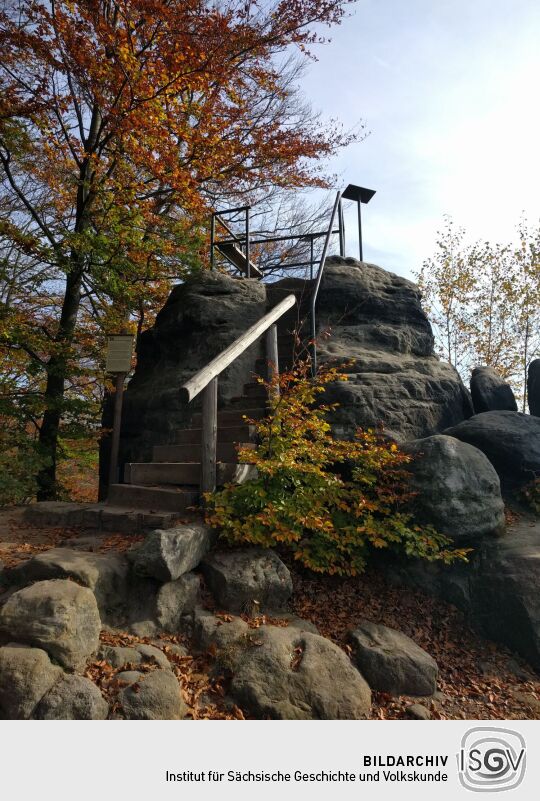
(273, 358)
(115, 440)
(209, 437)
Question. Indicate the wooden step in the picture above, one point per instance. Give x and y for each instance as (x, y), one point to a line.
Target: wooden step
(254, 390)
(152, 499)
(225, 452)
(183, 473)
(243, 433)
(231, 417)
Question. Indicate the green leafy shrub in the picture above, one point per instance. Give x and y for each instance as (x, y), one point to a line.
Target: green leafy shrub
(19, 463)
(302, 499)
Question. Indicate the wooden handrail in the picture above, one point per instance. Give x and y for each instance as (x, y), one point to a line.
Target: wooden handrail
(203, 377)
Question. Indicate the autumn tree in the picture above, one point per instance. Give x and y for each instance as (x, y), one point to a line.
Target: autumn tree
(484, 300)
(119, 119)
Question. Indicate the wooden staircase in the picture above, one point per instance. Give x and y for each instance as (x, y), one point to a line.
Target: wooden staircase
(171, 482)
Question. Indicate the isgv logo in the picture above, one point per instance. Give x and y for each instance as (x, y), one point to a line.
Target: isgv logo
(491, 760)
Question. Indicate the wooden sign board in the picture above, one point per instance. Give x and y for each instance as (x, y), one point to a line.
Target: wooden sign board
(119, 352)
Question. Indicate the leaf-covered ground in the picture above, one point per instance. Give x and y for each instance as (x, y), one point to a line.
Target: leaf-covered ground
(478, 679)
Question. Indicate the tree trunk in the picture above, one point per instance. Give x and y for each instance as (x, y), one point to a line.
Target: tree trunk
(57, 369)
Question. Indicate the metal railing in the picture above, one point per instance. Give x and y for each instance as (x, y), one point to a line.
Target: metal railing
(338, 208)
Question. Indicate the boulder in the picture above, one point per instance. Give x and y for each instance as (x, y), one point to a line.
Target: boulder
(153, 696)
(155, 608)
(533, 387)
(490, 392)
(221, 632)
(174, 600)
(391, 662)
(238, 578)
(497, 590)
(201, 318)
(72, 698)
(288, 674)
(166, 555)
(379, 330)
(458, 490)
(140, 654)
(26, 674)
(510, 440)
(59, 616)
(104, 574)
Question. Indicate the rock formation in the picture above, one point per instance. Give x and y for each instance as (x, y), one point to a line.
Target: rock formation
(533, 387)
(490, 392)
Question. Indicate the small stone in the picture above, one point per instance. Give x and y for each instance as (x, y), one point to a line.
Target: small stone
(176, 599)
(168, 554)
(72, 698)
(139, 654)
(154, 696)
(418, 712)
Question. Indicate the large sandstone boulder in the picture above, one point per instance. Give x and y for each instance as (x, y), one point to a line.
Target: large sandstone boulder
(533, 387)
(377, 322)
(200, 319)
(72, 698)
(288, 674)
(241, 578)
(58, 616)
(490, 392)
(104, 574)
(166, 555)
(510, 440)
(458, 489)
(391, 662)
(26, 674)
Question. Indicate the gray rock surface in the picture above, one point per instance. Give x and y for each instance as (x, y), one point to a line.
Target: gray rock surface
(391, 662)
(155, 608)
(287, 674)
(490, 392)
(497, 590)
(418, 712)
(58, 616)
(26, 674)
(104, 574)
(533, 387)
(238, 578)
(166, 555)
(72, 698)
(174, 600)
(140, 654)
(458, 489)
(200, 319)
(510, 440)
(154, 696)
(377, 322)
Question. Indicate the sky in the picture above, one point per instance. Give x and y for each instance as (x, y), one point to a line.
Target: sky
(449, 92)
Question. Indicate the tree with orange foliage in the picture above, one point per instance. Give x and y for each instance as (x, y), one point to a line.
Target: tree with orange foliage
(117, 118)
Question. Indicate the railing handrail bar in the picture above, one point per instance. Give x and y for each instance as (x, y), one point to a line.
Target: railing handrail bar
(320, 271)
(202, 378)
(224, 224)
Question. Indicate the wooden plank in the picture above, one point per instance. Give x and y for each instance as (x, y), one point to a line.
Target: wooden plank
(202, 378)
(209, 437)
(239, 259)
